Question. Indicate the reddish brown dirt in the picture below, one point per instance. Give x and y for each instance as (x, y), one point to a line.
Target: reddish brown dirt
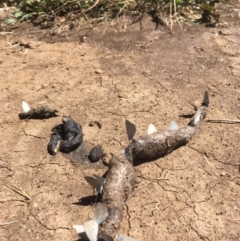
(145, 76)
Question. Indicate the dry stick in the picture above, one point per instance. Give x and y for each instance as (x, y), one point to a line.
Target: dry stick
(180, 25)
(58, 9)
(175, 6)
(175, 14)
(171, 21)
(227, 121)
(83, 12)
(95, 4)
(84, 15)
(121, 10)
(111, 24)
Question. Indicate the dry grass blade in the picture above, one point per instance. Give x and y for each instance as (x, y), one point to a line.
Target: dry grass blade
(17, 190)
(206, 160)
(226, 121)
(8, 223)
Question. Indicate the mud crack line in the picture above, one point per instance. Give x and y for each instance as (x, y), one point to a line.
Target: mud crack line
(129, 216)
(198, 234)
(45, 226)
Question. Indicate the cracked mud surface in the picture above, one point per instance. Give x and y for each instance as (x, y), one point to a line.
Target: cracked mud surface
(147, 76)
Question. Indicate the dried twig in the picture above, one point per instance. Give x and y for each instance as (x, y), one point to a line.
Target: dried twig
(94, 5)
(180, 25)
(227, 121)
(171, 14)
(69, 3)
(175, 6)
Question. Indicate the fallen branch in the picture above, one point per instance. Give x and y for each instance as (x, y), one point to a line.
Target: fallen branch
(227, 121)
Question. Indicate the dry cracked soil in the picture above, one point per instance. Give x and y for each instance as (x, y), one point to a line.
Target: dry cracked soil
(144, 75)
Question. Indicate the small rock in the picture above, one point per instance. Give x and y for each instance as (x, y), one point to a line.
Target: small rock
(98, 71)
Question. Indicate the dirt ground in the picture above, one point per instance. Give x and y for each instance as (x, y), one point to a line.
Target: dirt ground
(145, 76)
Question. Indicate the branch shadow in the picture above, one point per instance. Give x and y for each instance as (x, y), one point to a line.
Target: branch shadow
(87, 201)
